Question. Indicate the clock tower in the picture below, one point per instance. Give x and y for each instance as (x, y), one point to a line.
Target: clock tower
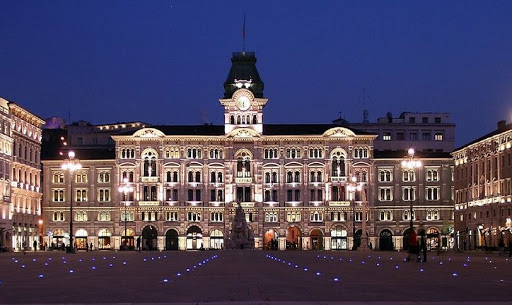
(243, 95)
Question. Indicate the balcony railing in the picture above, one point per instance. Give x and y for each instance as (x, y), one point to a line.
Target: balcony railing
(149, 203)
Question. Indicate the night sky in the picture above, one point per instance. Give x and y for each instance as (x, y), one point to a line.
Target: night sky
(165, 62)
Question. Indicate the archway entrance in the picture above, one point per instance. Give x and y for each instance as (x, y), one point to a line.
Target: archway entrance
(293, 240)
(216, 239)
(432, 239)
(104, 239)
(357, 240)
(127, 240)
(270, 240)
(386, 240)
(194, 238)
(406, 238)
(57, 239)
(81, 239)
(149, 238)
(171, 240)
(339, 238)
(317, 239)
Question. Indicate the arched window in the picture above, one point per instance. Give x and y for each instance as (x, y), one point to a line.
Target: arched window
(149, 167)
(338, 165)
(267, 177)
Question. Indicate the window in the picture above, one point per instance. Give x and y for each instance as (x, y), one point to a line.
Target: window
(172, 153)
(127, 153)
(127, 216)
(216, 217)
(432, 193)
(271, 153)
(104, 216)
(408, 175)
(426, 136)
(81, 177)
(58, 177)
(149, 216)
(58, 216)
(194, 153)
(293, 216)
(412, 120)
(316, 216)
(400, 136)
(386, 215)
(194, 216)
(271, 217)
(338, 165)
(413, 136)
(385, 175)
(406, 215)
(438, 137)
(104, 177)
(58, 195)
(437, 120)
(149, 165)
(433, 214)
(339, 216)
(171, 216)
(103, 195)
(386, 136)
(385, 194)
(128, 175)
(316, 153)
(293, 153)
(81, 216)
(424, 120)
(81, 195)
(216, 153)
(432, 175)
(408, 193)
(361, 153)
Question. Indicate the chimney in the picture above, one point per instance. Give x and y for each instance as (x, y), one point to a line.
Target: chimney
(502, 124)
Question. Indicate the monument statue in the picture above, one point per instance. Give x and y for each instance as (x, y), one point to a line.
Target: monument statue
(241, 235)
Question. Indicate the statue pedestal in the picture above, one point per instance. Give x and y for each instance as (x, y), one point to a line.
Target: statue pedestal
(241, 236)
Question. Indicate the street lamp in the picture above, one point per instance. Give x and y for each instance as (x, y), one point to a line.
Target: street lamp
(71, 164)
(125, 188)
(353, 186)
(410, 163)
(40, 223)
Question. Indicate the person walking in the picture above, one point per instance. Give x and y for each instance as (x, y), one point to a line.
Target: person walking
(35, 245)
(138, 243)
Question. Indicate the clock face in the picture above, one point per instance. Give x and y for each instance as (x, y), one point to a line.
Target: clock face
(243, 102)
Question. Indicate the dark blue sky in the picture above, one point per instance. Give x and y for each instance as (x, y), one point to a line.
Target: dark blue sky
(164, 62)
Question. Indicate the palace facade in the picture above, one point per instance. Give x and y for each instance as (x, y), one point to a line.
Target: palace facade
(483, 190)
(302, 186)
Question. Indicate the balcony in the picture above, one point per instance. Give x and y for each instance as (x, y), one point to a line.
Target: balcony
(149, 179)
(339, 203)
(244, 204)
(293, 203)
(338, 179)
(316, 203)
(241, 180)
(194, 203)
(172, 202)
(216, 203)
(149, 203)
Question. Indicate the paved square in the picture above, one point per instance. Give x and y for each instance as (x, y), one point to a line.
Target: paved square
(253, 277)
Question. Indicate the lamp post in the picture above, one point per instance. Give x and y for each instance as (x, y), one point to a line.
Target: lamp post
(71, 164)
(125, 188)
(40, 223)
(410, 162)
(353, 186)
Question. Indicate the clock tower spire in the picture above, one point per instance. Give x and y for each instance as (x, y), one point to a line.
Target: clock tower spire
(243, 94)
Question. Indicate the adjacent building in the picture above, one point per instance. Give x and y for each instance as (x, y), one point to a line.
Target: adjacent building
(483, 190)
(20, 177)
(302, 186)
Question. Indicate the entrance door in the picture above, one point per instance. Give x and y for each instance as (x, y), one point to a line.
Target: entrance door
(293, 239)
(149, 235)
(171, 240)
(194, 238)
(386, 241)
(317, 240)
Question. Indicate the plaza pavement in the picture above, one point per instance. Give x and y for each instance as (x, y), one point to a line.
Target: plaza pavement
(254, 277)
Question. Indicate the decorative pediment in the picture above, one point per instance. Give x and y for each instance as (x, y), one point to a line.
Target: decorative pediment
(243, 133)
(149, 133)
(341, 132)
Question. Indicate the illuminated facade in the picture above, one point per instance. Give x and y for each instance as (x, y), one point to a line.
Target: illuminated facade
(5, 173)
(293, 181)
(483, 190)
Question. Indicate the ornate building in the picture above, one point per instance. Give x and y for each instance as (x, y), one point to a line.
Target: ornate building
(5, 174)
(301, 186)
(483, 190)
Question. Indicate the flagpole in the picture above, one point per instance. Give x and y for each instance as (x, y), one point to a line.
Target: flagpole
(243, 36)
